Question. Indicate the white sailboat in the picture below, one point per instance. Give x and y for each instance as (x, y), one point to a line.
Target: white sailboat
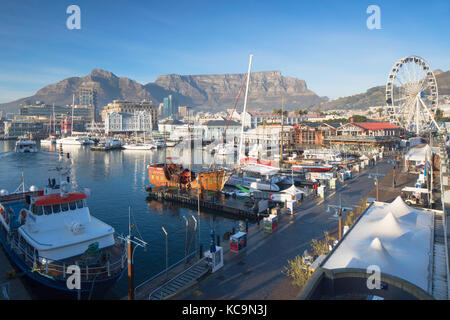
(139, 146)
(74, 140)
(51, 137)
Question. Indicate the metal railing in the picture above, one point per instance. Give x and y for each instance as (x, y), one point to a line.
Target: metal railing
(165, 270)
(175, 278)
(57, 269)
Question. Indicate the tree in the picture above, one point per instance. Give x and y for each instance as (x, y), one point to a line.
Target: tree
(358, 118)
(320, 247)
(380, 112)
(297, 271)
(369, 113)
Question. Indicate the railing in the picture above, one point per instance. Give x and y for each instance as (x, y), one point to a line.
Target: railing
(57, 269)
(175, 278)
(165, 270)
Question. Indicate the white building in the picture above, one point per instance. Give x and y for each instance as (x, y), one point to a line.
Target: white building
(118, 122)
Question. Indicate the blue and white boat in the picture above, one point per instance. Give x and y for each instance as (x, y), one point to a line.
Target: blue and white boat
(48, 232)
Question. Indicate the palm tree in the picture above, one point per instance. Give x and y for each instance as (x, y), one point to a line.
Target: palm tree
(380, 112)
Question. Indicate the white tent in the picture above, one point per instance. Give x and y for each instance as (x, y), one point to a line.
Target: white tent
(294, 191)
(419, 154)
(393, 236)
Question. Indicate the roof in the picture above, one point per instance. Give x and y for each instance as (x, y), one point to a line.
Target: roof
(170, 121)
(395, 237)
(375, 126)
(217, 123)
(419, 154)
(56, 198)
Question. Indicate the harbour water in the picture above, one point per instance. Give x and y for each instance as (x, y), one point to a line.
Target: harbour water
(117, 180)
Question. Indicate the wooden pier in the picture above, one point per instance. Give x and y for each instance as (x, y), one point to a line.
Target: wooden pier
(230, 207)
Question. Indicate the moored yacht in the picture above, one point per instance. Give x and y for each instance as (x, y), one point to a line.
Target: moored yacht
(75, 140)
(257, 177)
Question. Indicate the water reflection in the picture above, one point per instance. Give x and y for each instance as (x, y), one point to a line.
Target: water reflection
(117, 180)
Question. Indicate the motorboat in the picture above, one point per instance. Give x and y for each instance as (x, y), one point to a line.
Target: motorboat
(25, 145)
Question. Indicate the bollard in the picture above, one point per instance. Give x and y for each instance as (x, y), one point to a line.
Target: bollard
(201, 251)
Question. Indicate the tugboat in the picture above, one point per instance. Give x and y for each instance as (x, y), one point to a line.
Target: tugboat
(49, 232)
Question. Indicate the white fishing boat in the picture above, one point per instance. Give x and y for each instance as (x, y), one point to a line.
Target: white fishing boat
(46, 232)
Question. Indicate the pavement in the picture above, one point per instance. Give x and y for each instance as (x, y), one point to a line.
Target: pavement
(256, 273)
(17, 290)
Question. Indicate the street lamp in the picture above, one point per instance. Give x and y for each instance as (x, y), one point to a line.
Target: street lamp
(195, 231)
(185, 242)
(167, 251)
(375, 177)
(338, 209)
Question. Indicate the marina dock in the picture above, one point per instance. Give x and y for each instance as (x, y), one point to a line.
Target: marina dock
(237, 208)
(16, 289)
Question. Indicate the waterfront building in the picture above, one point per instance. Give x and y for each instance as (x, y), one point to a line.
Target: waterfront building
(269, 136)
(170, 107)
(118, 122)
(44, 112)
(16, 128)
(168, 125)
(253, 119)
(390, 241)
(183, 111)
(87, 97)
(366, 136)
(131, 107)
(313, 134)
(215, 129)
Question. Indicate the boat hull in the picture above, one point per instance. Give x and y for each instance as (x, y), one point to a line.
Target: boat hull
(213, 180)
(96, 289)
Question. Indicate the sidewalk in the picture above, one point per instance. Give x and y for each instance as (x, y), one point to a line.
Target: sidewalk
(17, 290)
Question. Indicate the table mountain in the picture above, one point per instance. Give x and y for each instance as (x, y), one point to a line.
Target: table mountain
(211, 92)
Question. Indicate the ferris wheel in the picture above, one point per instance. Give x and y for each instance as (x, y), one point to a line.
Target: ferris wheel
(412, 95)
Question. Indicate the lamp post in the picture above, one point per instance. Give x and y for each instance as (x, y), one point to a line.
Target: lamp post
(167, 251)
(185, 242)
(131, 241)
(375, 177)
(195, 231)
(338, 213)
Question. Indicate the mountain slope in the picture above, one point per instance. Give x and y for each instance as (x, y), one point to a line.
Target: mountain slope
(376, 96)
(211, 92)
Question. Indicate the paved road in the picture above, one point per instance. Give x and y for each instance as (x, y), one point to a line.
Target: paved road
(256, 272)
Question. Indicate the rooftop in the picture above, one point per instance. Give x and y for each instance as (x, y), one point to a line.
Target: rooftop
(395, 237)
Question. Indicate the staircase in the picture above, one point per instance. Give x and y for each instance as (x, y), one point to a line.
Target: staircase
(180, 281)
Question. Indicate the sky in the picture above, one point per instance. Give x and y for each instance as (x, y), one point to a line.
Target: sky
(325, 43)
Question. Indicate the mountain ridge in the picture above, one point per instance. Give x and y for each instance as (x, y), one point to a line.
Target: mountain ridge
(211, 91)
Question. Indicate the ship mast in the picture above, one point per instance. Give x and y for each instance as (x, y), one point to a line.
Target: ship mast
(71, 123)
(282, 127)
(245, 109)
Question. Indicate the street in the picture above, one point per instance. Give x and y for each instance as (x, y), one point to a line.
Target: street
(256, 272)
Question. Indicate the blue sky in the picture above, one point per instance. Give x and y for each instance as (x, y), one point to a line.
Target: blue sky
(323, 42)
